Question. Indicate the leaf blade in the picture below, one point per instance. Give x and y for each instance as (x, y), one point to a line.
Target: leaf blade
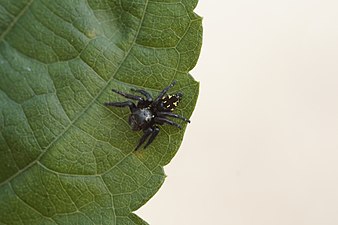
(64, 163)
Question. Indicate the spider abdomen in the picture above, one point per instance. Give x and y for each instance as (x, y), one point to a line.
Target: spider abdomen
(170, 102)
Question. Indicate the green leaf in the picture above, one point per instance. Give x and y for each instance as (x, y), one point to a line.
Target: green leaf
(64, 157)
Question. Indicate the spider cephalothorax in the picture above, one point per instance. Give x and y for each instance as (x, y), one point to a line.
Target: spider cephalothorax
(147, 113)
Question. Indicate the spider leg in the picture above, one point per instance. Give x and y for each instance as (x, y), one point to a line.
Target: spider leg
(130, 104)
(152, 137)
(146, 134)
(127, 95)
(162, 120)
(143, 92)
(163, 92)
(173, 115)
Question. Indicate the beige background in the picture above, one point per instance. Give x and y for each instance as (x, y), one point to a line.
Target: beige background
(262, 148)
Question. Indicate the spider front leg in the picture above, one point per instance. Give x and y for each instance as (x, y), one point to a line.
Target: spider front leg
(146, 134)
(153, 136)
(152, 132)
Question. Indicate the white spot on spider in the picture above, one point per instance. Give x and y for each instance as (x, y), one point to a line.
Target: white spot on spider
(147, 114)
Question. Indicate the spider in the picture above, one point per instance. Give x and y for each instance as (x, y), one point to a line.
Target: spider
(147, 113)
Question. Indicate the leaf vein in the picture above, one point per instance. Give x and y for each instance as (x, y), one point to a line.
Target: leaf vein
(26, 203)
(12, 24)
(85, 109)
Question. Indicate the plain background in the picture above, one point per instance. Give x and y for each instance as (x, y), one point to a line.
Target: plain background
(262, 148)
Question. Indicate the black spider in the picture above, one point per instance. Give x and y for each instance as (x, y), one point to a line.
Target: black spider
(147, 113)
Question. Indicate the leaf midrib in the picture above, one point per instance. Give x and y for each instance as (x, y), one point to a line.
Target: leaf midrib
(86, 108)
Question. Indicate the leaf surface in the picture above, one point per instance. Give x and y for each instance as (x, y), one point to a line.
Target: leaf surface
(64, 157)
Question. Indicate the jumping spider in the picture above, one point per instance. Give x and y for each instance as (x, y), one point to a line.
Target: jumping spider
(148, 113)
